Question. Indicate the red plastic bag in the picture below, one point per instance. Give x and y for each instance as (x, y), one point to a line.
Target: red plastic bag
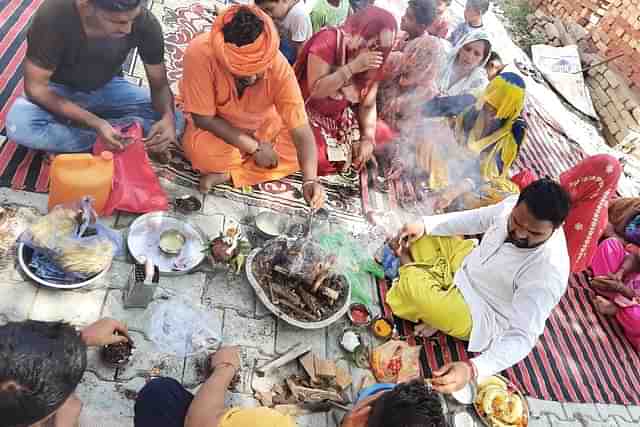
(136, 188)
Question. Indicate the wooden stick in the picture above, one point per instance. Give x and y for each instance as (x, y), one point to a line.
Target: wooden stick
(298, 311)
(597, 64)
(291, 355)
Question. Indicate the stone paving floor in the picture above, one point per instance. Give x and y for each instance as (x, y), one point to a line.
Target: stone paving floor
(236, 316)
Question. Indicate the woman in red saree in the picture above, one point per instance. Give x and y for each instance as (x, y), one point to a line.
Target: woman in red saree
(591, 184)
(338, 71)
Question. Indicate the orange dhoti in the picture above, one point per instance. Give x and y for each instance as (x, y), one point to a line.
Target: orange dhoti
(210, 154)
(267, 111)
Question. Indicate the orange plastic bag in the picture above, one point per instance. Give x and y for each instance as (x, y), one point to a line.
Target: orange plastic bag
(395, 362)
(136, 188)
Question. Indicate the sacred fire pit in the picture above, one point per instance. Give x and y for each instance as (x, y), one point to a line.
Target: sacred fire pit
(293, 279)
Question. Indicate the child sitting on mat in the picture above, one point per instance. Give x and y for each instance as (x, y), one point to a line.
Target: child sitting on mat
(616, 279)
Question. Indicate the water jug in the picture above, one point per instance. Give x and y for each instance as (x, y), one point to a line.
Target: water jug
(74, 176)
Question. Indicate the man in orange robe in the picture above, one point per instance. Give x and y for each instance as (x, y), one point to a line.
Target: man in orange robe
(246, 118)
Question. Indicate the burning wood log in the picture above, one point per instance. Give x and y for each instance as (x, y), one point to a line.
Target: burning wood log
(298, 311)
(310, 300)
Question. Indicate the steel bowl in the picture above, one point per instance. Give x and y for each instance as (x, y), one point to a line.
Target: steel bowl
(270, 224)
(171, 242)
(360, 306)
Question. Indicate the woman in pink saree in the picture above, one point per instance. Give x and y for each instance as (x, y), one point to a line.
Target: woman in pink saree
(338, 71)
(617, 281)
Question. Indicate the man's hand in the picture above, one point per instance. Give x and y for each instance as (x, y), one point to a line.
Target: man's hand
(103, 332)
(363, 152)
(229, 356)
(314, 195)
(266, 157)
(113, 139)
(451, 377)
(411, 232)
(161, 135)
(68, 415)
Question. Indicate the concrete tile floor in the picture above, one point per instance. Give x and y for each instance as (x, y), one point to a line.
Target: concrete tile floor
(238, 317)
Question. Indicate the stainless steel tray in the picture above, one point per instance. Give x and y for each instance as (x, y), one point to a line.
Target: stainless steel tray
(143, 239)
(277, 311)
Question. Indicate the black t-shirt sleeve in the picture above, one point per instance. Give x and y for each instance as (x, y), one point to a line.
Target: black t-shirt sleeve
(45, 37)
(150, 39)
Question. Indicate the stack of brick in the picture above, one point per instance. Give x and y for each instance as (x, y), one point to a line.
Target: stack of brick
(586, 23)
(615, 102)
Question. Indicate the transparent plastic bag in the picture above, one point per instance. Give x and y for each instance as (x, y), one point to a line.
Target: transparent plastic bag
(70, 244)
(179, 328)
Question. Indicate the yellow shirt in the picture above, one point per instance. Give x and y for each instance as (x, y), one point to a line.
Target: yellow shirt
(255, 417)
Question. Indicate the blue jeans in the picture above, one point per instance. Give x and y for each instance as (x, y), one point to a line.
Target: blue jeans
(119, 102)
(163, 402)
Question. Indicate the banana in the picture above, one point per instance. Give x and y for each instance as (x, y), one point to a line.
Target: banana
(483, 391)
(516, 409)
(493, 381)
(495, 422)
(491, 395)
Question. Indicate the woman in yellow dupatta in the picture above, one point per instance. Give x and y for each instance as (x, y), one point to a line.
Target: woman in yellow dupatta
(473, 164)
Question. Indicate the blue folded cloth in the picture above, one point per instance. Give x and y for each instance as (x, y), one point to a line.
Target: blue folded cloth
(390, 262)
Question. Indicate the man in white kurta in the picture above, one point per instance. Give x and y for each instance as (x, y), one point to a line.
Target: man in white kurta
(497, 295)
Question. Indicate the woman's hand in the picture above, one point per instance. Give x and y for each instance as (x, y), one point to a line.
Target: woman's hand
(363, 152)
(366, 60)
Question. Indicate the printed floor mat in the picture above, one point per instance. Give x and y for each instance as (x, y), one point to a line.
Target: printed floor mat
(581, 357)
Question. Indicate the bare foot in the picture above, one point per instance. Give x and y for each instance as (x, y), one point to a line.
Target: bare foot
(605, 307)
(207, 182)
(423, 330)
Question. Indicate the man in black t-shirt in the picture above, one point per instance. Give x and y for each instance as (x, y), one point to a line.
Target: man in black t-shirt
(73, 78)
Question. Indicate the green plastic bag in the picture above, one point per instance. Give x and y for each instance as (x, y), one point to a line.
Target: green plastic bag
(353, 262)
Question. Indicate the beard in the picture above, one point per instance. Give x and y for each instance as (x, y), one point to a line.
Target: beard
(521, 243)
(518, 243)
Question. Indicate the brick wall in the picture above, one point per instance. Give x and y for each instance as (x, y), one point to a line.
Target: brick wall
(614, 27)
(600, 29)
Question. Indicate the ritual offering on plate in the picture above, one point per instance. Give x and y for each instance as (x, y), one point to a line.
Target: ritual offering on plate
(117, 354)
(225, 247)
(499, 404)
(382, 328)
(172, 242)
(68, 246)
(359, 314)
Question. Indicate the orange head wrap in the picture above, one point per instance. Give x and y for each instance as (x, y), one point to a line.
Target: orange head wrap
(250, 59)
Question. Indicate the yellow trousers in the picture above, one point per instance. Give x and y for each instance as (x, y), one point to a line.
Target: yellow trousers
(425, 292)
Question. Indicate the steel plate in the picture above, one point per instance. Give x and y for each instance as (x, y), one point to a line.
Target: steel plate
(24, 265)
(143, 240)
